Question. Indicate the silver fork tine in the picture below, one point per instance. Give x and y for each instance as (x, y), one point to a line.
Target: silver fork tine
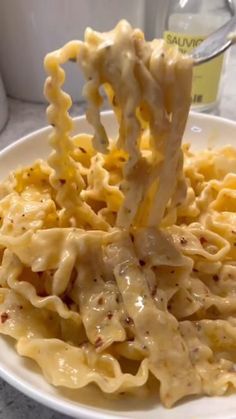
(216, 43)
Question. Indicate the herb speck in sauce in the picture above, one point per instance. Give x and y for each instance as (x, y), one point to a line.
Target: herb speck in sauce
(109, 315)
(203, 240)
(4, 317)
(98, 342)
(129, 320)
(100, 301)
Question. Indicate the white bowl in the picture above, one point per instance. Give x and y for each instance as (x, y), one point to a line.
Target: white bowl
(202, 131)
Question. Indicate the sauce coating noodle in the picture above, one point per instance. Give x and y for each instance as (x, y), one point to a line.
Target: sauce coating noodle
(121, 252)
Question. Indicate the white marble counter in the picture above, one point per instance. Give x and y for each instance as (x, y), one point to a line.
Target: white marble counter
(25, 118)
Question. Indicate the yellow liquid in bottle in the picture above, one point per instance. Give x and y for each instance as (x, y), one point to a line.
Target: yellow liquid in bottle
(188, 31)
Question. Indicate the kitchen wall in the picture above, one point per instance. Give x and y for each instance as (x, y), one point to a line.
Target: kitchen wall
(31, 28)
(155, 17)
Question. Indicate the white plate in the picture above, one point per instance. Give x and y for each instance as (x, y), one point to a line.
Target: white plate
(202, 131)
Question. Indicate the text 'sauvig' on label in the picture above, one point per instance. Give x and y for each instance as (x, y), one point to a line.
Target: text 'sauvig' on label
(186, 43)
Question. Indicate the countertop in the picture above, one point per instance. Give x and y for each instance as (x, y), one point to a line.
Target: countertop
(27, 117)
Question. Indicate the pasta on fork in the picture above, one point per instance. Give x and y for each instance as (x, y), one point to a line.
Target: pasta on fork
(118, 257)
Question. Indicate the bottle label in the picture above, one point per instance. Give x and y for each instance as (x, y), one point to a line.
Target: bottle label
(206, 76)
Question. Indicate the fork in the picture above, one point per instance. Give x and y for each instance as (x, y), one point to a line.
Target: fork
(216, 43)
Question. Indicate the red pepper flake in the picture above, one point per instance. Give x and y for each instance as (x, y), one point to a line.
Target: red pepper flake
(195, 270)
(172, 272)
(216, 278)
(95, 280)
(67, 300)
(4, 317)
(142, 262)
(183, 241)
(100, 301)
(129, 321)
(98, 342)
(132, 237)
(109, 315)
(203, 240)
(82, 150)
(154, 290)
(62, 181)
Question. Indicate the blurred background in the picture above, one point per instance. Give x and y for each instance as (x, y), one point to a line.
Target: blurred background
(31, 28)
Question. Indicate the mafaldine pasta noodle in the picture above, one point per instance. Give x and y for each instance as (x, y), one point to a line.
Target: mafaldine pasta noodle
(118, 255)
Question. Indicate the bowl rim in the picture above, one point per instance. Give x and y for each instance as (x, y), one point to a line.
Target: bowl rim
(44, 130)
(50, 400)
